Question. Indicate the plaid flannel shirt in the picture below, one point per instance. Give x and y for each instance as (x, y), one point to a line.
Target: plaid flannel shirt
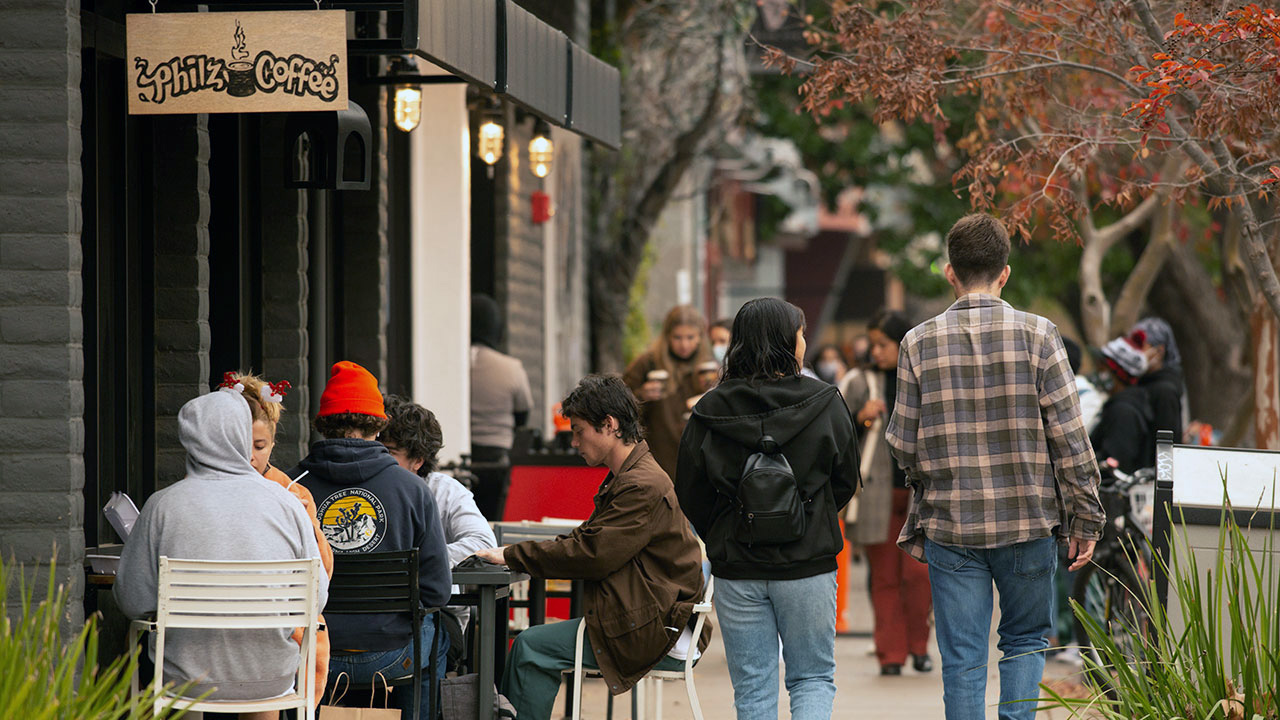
(987, 426)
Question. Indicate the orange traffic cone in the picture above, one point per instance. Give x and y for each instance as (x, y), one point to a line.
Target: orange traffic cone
(842, 584)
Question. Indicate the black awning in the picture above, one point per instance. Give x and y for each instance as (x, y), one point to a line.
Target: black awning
(462, 37)
(537, 59)
(594, 98)
(502, 46)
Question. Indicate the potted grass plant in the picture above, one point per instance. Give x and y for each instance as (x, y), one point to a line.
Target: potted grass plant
(44, 676)
(1211, 652)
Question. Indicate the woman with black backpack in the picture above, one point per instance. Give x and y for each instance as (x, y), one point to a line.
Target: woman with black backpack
(767, 460)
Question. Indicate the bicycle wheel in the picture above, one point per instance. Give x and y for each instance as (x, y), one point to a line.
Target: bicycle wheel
(1113, 597)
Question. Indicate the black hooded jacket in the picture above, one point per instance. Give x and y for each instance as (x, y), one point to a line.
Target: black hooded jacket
(811, 424)
(368, 503)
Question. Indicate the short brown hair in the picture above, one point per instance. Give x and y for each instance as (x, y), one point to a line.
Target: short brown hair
(341, 425)
(977, 248)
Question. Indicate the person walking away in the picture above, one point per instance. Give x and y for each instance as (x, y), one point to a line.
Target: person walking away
(414, 438)
(500, 402)
(665, 378)
(221, 510)
(368, 503)
(774, 580)
(987, 426)
(266, 403)
(1163, 380)
(1126, 426)
(639, 560)
(900, 596)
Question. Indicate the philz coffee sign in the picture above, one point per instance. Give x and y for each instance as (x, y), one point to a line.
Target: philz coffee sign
(230, 62)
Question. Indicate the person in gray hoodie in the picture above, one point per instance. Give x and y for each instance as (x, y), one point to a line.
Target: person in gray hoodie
(222, 510)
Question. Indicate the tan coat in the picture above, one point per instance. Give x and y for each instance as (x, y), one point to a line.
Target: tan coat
(664, 419)
(641, 565)
(875, 500)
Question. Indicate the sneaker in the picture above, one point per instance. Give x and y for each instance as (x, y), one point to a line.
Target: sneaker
(922, 663)
(890, 669)
(1070, 656)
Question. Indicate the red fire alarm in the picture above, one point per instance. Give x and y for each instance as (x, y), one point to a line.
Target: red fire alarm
(541, 203)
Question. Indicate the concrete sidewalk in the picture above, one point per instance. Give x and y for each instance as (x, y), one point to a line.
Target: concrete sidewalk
(861, 693)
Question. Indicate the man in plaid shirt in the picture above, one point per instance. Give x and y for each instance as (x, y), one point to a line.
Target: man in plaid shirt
(987, 426)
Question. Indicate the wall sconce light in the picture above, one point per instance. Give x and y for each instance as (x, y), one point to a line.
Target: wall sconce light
(541, 149)
(490, 142)
(408, 107)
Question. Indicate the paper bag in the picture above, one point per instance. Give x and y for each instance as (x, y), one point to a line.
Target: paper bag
(333, 712)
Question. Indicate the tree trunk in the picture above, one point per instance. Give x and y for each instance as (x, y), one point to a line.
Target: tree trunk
(682, 78)
(1095, 310)
(1137, 287)
(1266, 395)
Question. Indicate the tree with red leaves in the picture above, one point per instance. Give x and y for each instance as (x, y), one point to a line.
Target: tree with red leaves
(1088, 110)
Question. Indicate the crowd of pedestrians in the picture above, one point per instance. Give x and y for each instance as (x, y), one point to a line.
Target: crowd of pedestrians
(969, 440)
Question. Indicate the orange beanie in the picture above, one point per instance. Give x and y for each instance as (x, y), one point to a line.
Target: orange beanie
(351, 389)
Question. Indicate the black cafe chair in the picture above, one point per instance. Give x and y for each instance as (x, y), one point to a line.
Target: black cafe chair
(387, 582)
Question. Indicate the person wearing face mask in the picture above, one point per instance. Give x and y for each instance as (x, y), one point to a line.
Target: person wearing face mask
(900, 595)
(665, 378)
(829, 364)
(1163, 380)
(720, 334)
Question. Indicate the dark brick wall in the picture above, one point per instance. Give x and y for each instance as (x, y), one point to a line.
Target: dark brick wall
(521, 272)
(284, 296)
(181, 151)
(41, 357)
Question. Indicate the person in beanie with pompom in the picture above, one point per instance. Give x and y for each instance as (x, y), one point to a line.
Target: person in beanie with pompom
(1124, 431)
(366, 502)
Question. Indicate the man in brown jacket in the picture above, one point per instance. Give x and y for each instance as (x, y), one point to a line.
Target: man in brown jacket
(641, 566)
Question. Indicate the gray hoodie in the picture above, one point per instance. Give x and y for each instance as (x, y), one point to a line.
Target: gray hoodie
(222, 510)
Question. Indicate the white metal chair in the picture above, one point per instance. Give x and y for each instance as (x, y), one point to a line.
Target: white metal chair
(221, 595)
(640, 696)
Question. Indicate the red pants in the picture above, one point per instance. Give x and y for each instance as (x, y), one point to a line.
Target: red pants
(900, 593)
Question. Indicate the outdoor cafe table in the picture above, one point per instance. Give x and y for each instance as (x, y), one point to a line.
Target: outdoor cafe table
(483, 587)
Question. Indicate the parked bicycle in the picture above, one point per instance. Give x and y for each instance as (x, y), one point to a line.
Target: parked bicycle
(1112, 589)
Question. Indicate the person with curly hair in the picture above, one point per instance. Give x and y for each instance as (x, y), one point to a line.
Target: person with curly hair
(414, 438)
(368, 503)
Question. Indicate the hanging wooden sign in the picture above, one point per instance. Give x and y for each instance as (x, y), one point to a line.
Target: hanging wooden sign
(235, 62)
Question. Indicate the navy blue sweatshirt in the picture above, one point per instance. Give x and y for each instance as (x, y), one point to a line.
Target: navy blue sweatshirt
(368, 503)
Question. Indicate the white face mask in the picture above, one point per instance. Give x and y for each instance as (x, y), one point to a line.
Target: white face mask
(828, 369)
(719, 352)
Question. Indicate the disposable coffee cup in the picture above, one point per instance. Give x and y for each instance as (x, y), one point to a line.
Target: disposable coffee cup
(658, 375)
(710, 366)
(240, 79)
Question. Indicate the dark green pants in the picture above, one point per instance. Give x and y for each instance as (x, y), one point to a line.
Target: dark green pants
(531, 678)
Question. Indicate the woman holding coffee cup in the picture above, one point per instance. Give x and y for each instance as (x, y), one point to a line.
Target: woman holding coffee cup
(665, 377)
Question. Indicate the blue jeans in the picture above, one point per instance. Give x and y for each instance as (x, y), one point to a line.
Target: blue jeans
(962, 579)
(363, 667)
(754, 615)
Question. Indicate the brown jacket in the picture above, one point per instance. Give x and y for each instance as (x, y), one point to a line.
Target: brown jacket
(641, 564)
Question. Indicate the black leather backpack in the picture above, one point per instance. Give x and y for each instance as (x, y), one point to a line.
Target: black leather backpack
(770, 507)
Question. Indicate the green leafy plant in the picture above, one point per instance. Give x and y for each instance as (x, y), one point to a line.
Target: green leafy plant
(44, 678)
(1222, 662)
